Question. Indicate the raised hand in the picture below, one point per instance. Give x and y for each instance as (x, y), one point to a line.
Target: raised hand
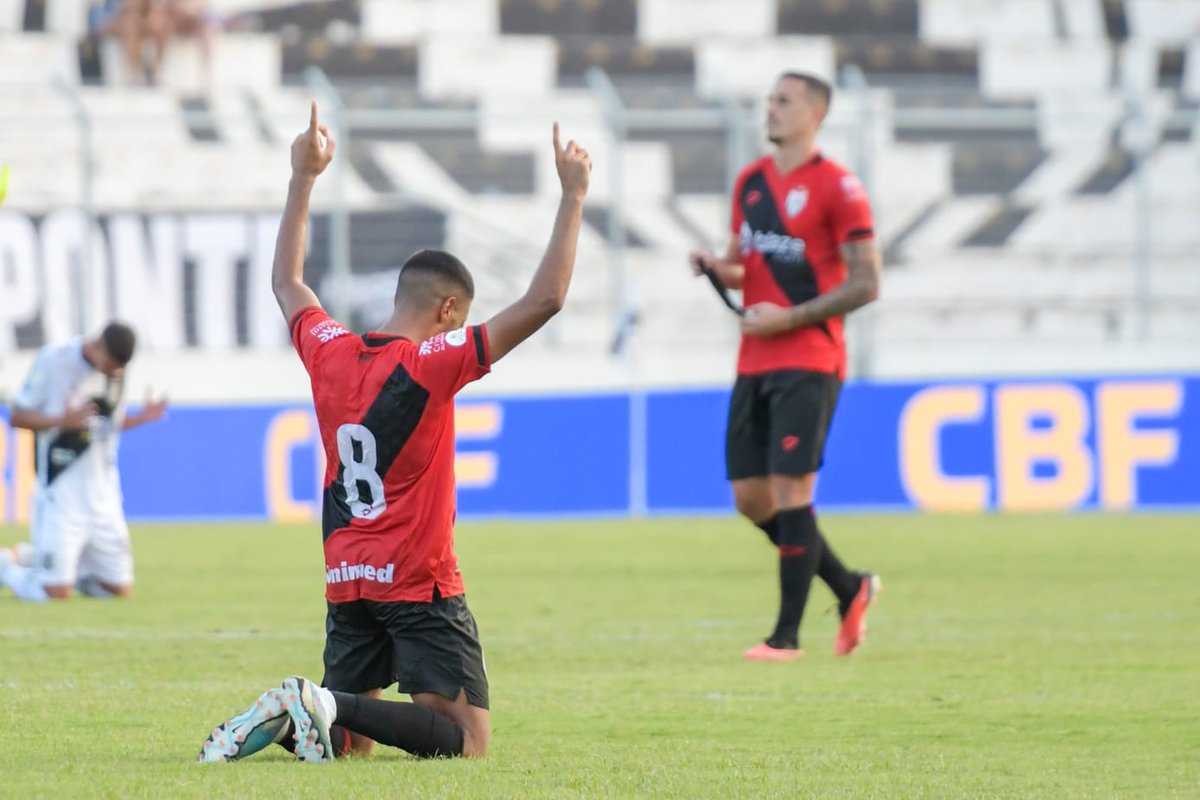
(574, 165)
(313, 149)
(153, 410)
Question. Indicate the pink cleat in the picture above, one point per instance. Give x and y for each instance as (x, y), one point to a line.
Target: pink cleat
(854, 621)
(764, 652)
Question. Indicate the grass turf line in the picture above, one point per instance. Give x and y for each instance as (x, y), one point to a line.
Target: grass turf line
(1010, 656)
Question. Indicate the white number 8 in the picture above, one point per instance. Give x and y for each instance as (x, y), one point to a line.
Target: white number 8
(360, 469)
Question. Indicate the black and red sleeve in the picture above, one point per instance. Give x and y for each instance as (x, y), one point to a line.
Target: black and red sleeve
(311, 328)
(850, 210)
(449, 361)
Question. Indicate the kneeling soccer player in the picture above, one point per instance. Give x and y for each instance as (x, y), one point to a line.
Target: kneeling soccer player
(384, 402)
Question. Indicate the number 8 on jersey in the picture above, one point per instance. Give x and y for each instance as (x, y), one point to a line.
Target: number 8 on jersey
(356, 450)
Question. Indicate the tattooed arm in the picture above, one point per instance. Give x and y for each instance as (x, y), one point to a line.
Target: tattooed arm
(861, 286)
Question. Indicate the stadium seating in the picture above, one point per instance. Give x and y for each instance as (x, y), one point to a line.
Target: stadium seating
(995, 138)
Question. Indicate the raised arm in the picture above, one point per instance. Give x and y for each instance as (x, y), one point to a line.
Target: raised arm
(28, 409)
(312, 151)
(548, 289)
(152, 411)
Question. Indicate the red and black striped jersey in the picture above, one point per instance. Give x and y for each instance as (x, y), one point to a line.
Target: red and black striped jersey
(385, 409)
(789, 228)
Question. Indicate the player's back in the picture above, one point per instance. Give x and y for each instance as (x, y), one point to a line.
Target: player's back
(384, 407)
(382, 425)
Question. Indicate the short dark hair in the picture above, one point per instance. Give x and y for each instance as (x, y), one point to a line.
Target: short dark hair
(820, 88)
(119, 342)
(429, 275)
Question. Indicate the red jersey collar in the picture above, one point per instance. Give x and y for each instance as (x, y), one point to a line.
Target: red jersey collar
(816, 158)
(373, 339)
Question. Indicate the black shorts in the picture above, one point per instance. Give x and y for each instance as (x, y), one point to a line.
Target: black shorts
(421, 647)
(778, 423)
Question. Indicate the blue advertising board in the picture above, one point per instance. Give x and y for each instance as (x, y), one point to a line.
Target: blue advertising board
(1107, 444)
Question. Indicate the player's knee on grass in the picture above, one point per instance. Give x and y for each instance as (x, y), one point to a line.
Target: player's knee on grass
(475, 742)
(476, 725)
(361, 745)
(59, 592)
(472, 723)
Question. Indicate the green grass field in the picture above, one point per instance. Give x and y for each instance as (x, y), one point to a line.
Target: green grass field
(1022, 656)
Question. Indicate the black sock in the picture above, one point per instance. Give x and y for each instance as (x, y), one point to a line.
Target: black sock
(771, 528)
(799, 554)
(415, 728)
(841, 581)
(339, 737)
(288, 740)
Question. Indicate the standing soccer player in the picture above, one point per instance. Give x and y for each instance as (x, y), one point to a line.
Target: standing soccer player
(385, 407)
(803, 252)
(78, 533)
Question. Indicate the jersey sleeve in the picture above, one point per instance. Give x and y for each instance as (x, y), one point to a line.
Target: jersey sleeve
(311, 328)
(449, 361)
(850, 210)
(32, 395)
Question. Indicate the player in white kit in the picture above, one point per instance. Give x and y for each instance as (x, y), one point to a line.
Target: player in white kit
(72, 400)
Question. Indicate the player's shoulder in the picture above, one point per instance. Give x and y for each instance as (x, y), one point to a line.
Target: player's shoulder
(446, 340)
(307, 317)
(832, 167)
(838, 178)
(316, 323)
(56, 355)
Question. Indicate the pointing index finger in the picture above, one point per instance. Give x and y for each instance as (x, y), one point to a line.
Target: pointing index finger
(312, 122)
(557, 139)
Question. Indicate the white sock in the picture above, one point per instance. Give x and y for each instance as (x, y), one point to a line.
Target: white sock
(327, 701)
(24, 583)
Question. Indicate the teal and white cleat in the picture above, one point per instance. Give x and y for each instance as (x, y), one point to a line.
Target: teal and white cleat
(313, 710)
(258, 727)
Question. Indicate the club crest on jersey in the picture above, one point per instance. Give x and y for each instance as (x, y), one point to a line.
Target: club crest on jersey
(457, 338)
(796, 200)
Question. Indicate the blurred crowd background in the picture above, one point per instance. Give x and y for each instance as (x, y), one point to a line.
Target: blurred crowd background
(1033, 165)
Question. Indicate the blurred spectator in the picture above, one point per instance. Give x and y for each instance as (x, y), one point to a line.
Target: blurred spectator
(140, 22)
